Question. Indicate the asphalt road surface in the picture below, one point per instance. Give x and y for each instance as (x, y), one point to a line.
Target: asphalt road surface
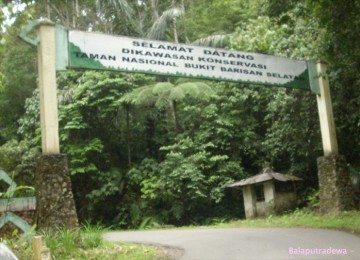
(249, 243)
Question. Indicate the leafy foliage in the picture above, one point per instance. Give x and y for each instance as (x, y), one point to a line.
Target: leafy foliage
(291, 120)
(19, 160)
(201, 22)
(151, 151)
(341, 22)
(14, 90)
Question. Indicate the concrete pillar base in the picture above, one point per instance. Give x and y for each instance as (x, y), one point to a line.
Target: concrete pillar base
(335, 185)
(55, 205)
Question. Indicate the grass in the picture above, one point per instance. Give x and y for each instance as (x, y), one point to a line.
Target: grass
(124, 251)
(111, 251)
(86, 243)
(347, 221)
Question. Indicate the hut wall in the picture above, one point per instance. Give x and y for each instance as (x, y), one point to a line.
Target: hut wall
(249, 202)
(285, 201)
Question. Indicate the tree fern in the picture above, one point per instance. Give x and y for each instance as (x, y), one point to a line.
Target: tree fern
(162, 87)
(169, 91)
(164, 94)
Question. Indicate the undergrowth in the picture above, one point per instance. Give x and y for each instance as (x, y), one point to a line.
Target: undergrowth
(84, 243)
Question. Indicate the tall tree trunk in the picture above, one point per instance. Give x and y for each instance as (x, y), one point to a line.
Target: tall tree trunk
(67, 15)
(174, 115)
(48, 9)
(176, 38)
(154, 9)
(128, 135)
(75, 13)
(173, 102)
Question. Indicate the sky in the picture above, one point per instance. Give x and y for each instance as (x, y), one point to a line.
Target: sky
(9, 20)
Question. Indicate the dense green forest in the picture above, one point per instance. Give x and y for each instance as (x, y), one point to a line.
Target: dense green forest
(142, 155)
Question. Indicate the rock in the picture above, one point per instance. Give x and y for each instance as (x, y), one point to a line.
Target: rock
(6, 253)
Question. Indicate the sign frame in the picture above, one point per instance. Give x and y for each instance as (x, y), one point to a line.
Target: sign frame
(205, 61)
(54, 44)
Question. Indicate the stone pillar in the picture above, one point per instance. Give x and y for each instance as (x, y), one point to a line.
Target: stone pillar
(335, 184)
(54, 198)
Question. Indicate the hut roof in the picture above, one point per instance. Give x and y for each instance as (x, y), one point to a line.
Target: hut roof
(266, 175)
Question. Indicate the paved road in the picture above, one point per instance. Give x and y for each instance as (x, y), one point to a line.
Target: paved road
(250, 243)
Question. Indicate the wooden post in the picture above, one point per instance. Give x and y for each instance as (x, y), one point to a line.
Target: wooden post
(37, 246)
(47, 87)
(41, 252)
(328, 132)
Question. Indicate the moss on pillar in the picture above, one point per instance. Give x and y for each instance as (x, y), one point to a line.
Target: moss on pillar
(336, 192)
(55, 203)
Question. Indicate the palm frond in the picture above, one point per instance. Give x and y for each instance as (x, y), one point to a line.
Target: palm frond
(117, 5)
(216, 40)
(158, 29)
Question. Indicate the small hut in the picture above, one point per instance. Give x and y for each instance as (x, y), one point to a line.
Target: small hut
(267, 193)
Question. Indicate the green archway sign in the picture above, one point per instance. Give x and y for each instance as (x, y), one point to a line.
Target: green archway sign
(99, 51)
(61, 49)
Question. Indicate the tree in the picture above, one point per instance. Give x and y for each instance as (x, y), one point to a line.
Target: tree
(160, 26)
(15, 89)
(93, 127)
(189, 183)
(292, 128)
(160, 150)
(204, 17)
(341, 22)
(73, 14)
(2, 16)
(168, 94)
(119, 16)
(116, 6)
